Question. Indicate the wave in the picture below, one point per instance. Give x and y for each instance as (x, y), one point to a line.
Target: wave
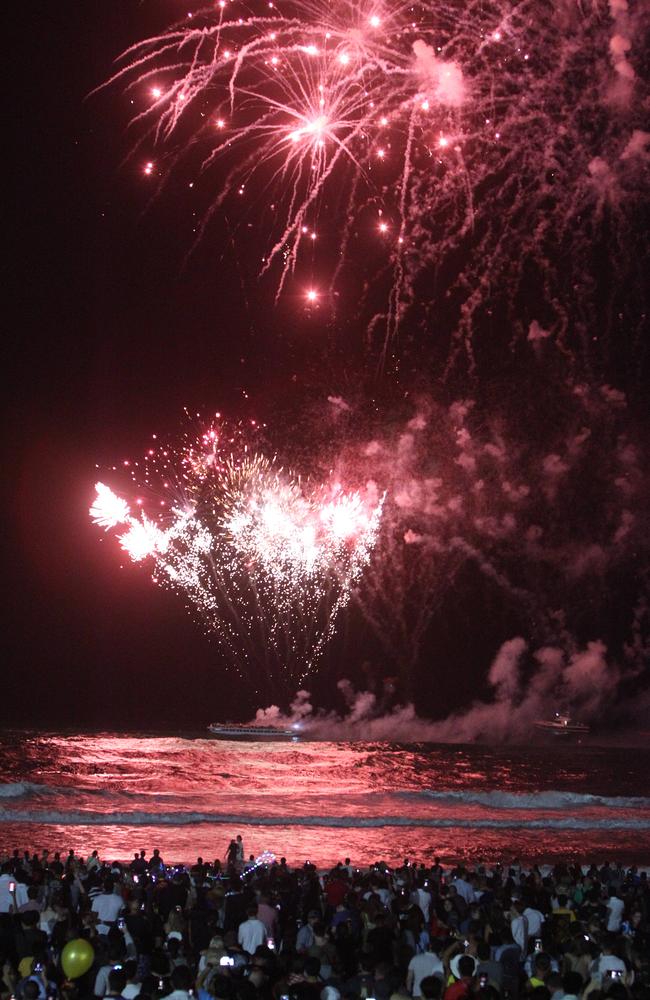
(497, 800)
(24, 789)
(19, 789)
(139, 818)
(530, 800)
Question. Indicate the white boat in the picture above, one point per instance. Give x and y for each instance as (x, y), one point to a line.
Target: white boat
(252, 734)
(561, 725)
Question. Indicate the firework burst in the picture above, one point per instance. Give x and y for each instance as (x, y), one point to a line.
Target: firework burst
(266, 560)
(321, 100)
(467, 140)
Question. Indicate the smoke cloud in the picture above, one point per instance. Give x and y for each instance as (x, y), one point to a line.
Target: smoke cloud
(524, 684)
(442, 80)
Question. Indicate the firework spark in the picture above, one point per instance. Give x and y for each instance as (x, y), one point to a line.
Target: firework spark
(266, 560)
(108, 510)
(486, 132)
(303, 97)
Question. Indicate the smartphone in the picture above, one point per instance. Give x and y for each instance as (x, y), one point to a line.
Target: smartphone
(118, 968)
(161, 984)
(38, 967)
(121, 923)
(270, 943)
(482, 981)
(226, 960)
(538, 944)
(136, 879)
(12, 887)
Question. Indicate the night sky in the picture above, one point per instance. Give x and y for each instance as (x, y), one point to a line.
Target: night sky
(111, 336)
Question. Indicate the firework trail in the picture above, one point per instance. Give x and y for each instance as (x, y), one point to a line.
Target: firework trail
(266, 560)
(481, 146)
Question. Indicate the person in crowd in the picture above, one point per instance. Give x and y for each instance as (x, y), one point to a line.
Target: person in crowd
(268, 914)
(431, 988)
(107, 905)
(609, 964)
(488, 968)
(535, 919)
(13, 893)
(426, 963)
(615, 908)
(572, 985)
(305, 936)
(252, 932)
(133, 985)
(116, 982)
(114, 958)
(462, 986)
(519, 926)
(155, 861)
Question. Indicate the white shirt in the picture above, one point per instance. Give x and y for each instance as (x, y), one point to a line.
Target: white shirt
(251, 934)
(108, 907)
(465, 890)
(131, 990)
(7, 902)
(535, 920)
(519, 928)
(422, 899)
(610, 963)
(101, 981)
(305, 938)
(426, 964)
(615, 907)
(47, 920)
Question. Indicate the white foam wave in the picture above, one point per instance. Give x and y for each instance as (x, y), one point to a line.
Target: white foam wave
(24, 789)
(140, 818)
(530, 800)
(488, 799)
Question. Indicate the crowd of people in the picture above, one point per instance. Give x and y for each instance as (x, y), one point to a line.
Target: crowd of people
(261, 930)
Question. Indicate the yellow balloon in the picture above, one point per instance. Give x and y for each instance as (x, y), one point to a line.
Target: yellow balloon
(77, 957)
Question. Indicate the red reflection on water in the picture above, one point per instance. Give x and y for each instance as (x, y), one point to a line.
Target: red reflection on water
(317, 801)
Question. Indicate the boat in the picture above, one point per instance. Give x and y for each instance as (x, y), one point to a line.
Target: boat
(252, 734)
(561, 725)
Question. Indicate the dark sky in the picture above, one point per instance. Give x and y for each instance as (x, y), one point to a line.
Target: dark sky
(109, 338)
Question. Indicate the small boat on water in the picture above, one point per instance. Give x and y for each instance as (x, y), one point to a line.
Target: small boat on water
(252, 734)
(561, 725)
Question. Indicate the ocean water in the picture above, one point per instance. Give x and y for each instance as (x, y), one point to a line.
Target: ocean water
(189, 795)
